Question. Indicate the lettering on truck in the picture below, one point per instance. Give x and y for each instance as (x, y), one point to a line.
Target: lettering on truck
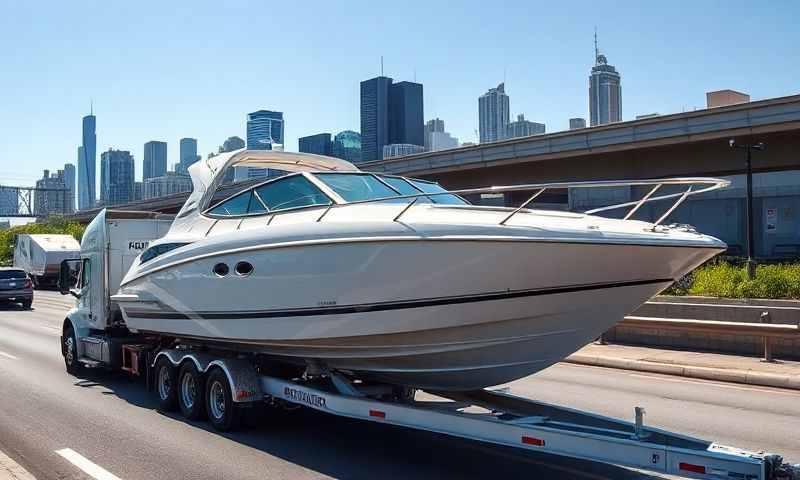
(300, 396)
(141, 245)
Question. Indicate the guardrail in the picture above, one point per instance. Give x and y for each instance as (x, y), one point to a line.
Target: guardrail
(766, 330)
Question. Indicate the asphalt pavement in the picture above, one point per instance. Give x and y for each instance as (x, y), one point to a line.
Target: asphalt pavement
(57, 426)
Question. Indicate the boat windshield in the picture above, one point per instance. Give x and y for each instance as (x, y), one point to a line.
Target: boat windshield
(293, 191)
(431, 187)
(354, 187)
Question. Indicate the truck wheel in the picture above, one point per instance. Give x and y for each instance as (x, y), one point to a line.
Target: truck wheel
(191, 391)
(166, 385)
(223, 413)
(26, 304)
(69, 349)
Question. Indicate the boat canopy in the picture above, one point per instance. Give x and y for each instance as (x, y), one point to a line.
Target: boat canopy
(207, 174)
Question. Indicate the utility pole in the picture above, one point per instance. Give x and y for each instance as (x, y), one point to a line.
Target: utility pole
(748, 148)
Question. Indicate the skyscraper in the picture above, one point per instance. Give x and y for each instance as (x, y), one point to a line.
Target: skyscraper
(87, 163)
(231, 144)
(374, 117)
(406, 121)
(390, 114)
(493, 114)
(575, 123)
(320, 144)
(69, 183)
(46, 203)
(347, 146)
(435, 125)
(155, 159)
(605, 91)
(9, 201)
(117, 177)
(188, 154)
(264, 128)
(523, 128)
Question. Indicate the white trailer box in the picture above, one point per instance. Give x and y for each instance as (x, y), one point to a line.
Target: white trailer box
(41, 255)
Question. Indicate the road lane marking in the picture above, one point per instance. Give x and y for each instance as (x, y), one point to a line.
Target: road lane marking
(13, 470)
(716, 383)
(8, 355)
(697, 381)
(95, 471)
(52, 330)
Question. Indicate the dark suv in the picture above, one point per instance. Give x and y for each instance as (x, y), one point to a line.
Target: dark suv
(16, 286)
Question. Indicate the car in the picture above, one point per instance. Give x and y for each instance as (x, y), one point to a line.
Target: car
(16, 286)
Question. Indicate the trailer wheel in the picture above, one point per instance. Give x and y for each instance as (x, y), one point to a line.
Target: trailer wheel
(223, 413)
(166, 385)
(69, 349)
(191, 391)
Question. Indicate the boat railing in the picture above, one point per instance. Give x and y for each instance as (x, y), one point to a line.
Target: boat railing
(694, 186)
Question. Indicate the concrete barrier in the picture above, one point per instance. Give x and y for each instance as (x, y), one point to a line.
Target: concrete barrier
(723, 340)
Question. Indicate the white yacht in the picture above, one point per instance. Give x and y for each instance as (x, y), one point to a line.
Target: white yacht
(395, 279)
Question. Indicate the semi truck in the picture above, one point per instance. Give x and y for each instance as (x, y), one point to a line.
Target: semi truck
(40, 255)
(208, 381)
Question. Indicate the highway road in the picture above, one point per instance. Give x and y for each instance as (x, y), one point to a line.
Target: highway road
(112, 423)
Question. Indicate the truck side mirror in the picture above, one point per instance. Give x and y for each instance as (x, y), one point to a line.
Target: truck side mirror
(68, 275)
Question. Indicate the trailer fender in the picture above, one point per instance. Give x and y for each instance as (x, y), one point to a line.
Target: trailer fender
(241, 375)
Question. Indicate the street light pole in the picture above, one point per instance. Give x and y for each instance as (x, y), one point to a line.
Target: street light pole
(748, 148)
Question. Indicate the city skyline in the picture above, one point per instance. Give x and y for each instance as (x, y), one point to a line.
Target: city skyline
(210, 108)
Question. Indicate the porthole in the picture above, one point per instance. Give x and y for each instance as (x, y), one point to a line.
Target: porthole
(221, 269)
(243, 269)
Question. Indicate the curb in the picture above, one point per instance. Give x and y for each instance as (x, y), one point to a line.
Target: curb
(791, 382)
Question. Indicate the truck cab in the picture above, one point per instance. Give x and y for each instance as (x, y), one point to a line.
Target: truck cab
(110, 244)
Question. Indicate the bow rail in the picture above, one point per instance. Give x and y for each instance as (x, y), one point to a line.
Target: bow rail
(706, 184)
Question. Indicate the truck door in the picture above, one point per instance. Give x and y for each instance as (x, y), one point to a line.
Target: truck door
(85, 286)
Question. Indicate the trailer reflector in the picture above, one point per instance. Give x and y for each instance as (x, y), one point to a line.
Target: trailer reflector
(377, 414)
(532, 441)
(692, 468)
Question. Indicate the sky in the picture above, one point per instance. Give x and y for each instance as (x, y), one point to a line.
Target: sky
(171, 69)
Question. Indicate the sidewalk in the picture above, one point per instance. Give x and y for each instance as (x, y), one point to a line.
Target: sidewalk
(708, 366)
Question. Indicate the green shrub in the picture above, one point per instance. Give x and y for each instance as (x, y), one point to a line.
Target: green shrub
(53, 226)
(726, 280)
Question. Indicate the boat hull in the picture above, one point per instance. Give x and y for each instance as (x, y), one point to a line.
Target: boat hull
(436, 314)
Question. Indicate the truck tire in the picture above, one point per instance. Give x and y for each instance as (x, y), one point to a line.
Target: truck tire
(223, 413)
(166, 385)
(26, 304)
(191, 391)
(69, 350)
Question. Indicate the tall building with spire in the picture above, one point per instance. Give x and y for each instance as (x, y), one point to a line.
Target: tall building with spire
(87, 162)
(493, 114)
(605, 91)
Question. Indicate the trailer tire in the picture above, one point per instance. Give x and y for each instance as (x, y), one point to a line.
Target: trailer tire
(191, 391)
(166, 385)
(69, 350)
(223, 413)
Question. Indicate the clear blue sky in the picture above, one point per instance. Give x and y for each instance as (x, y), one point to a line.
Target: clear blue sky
(165, 70)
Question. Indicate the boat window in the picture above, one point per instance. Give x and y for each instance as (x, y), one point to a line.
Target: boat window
(233, 206)
(157, 250)
(430, 187)
(404, 187)
(291, 192)
(255, 205)
(356, 187)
